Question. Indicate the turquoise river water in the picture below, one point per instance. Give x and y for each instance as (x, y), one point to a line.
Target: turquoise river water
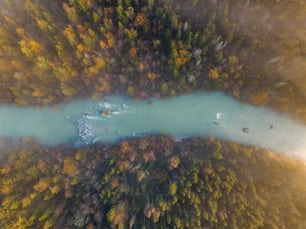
(84, 122)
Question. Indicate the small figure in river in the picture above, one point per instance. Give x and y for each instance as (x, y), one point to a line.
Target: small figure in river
(271, 127)
(245, 130)
(218, 115)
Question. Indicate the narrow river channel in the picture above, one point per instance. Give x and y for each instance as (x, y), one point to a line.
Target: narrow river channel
(113, 118)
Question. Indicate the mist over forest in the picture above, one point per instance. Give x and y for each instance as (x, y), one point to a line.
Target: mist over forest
(54, 52)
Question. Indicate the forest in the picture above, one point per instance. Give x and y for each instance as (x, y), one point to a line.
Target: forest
(151, 182)
(57, 51)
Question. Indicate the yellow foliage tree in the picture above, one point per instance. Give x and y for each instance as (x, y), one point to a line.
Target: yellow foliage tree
(179, 55)
(25, 202)
(5, 169)
(71, 12)
(40, 14)
(81, 50)
(42, 184)
(42, 64)
(70, 166)
(140, 19)
(48, 224)
(110, 39)
(172, 189)
(45, 26)
(100, 63)
(30, 48)
(95, 17)
(22, 223)
(213, 73)
(55, 189)
(20, 31)
(25, 49)
(89, 37)
(70, 35)
(60, 49)
(151, 76)
(6, 189)
(117, 215)
(131, 33)
(10, 21)
(103, 44)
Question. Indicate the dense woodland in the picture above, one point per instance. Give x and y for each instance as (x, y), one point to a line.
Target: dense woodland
(151, 182)
(268, 38)
(55, 50)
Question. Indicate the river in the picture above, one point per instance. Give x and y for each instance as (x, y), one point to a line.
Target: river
(115, 117)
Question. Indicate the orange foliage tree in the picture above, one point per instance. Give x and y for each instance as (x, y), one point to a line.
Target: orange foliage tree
(70, 166)
(213, 73)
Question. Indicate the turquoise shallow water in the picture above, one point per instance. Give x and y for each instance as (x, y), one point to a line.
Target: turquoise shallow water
(114, 118)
